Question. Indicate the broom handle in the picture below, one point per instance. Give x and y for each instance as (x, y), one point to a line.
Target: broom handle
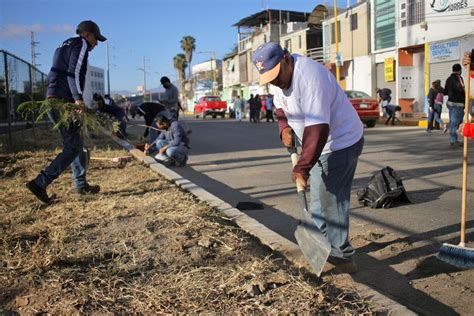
(101, 158)
(462, 242)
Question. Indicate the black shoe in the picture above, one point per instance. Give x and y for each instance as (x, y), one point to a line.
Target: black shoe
(88, 189)
(39, 192)
(169, 162)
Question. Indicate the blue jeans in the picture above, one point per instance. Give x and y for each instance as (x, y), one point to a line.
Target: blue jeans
(435, 115)
(74, 154)
(177, 153)
(456, 115)
(238, 114)
(331, 182)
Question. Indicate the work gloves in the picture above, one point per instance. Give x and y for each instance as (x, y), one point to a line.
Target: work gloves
(287, 137)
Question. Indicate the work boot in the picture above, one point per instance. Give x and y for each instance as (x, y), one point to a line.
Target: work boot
(338, 266)
(88, 189)
(39, 192)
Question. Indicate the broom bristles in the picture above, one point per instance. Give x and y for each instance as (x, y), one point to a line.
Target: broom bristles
(462, 257)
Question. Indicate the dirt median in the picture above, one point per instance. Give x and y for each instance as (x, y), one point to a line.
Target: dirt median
(142, 245)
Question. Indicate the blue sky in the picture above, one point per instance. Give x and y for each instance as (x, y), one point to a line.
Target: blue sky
(135, 29)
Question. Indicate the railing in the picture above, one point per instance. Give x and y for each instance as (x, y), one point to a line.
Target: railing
(318, 54)
(19, 82)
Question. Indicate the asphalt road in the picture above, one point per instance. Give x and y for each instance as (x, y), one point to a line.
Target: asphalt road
(239, 161)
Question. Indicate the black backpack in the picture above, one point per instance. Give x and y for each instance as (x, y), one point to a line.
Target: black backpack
(384, 189)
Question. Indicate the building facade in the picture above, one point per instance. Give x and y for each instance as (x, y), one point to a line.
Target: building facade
(95, 83)
(207, 79)
(354, 47)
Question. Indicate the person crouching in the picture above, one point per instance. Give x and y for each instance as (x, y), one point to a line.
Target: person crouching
(171, 147)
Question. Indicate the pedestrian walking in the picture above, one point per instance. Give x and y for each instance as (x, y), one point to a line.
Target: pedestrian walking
(251, 104)
(257, 104)
(238, 108)
(66, 81)
(454, 89)
(310, 103)
(435, 101)
(269, 108)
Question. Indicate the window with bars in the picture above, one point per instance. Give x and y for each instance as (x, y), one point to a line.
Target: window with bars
(415, 11)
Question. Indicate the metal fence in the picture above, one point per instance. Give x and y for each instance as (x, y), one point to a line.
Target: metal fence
(19, 82)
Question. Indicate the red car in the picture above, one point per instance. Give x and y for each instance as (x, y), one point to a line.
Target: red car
(366, 106)
(210, 105)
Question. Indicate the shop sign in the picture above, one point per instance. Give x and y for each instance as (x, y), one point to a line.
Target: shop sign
(444, 51)
(389, 65)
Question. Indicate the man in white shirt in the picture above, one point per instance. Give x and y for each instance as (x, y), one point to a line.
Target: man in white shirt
(310, 103)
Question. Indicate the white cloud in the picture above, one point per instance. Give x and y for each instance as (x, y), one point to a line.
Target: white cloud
(18, 30)
(61, 28)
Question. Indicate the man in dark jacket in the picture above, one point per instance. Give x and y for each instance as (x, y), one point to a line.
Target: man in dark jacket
(149, 110)
(454, 89)
(108, 105)
(66, 81)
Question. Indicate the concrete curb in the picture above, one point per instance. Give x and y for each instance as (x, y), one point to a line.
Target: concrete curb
(266, 236)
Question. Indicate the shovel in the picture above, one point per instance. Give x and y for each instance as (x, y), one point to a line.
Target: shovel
(313, 244)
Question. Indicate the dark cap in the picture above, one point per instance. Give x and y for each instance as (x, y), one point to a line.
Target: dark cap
(164, 79)
(457, 67)
(91, 27)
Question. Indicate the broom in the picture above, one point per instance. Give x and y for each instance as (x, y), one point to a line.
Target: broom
(460, 255)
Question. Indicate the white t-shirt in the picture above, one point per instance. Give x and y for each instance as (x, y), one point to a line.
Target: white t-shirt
(315, 97)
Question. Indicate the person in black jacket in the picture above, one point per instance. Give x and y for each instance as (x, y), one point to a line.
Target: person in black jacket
(66, 81)
(108, 105)
(149, 110)
(454, 89)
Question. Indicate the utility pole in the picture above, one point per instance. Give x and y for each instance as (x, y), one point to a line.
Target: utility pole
(336, 36)
(108, 68)
(213, 69)
(33, 50)
(144, 77)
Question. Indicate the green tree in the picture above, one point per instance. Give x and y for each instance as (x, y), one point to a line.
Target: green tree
(188, 44)
(180, 64)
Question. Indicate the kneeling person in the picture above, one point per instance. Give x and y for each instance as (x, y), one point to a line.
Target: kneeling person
(171, 147)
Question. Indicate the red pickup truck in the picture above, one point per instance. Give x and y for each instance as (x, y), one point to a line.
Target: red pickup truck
(210, 105)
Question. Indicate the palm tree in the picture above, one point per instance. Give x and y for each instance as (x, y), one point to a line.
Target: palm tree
(180, 64)
(188, 44)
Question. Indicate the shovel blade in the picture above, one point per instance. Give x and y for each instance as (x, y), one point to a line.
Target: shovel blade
(313, 244)
(314, 247)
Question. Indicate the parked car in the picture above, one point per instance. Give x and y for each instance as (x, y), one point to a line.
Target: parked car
(210, 105)
(366, 106)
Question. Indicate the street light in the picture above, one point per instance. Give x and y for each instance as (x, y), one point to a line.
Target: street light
(213, 58)
(144, 77)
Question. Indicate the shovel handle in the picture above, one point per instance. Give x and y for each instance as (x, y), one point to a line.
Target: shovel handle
(294, 160)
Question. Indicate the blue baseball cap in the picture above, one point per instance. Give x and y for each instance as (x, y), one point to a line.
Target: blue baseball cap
(267, 58)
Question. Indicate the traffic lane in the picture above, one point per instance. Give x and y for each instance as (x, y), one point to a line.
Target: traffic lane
(249, 158)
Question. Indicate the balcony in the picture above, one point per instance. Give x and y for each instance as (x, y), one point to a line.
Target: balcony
(318, 54)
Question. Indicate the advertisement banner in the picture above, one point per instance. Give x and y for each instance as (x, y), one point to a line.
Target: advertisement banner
(389, 66)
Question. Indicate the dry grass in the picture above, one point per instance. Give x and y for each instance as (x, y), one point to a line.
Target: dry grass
(140, 246)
